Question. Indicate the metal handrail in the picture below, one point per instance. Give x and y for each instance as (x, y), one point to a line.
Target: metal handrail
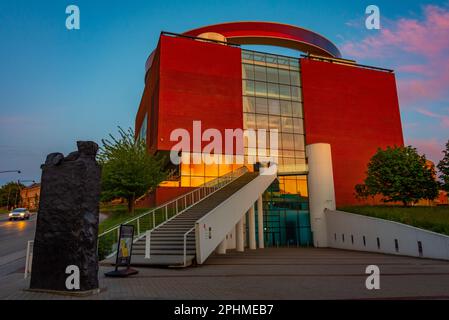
(179, 205)
(227, 43)
(345, 62)
(165, 204)
(222, 182)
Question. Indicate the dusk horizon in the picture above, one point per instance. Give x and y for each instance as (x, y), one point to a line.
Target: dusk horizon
(59, 86)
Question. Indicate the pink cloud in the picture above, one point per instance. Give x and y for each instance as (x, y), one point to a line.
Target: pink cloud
(424, 40)
(427, 38)
(430, 147)
(444, 119)
(414, 68)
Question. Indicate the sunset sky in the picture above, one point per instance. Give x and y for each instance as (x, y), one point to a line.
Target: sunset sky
(59, 86)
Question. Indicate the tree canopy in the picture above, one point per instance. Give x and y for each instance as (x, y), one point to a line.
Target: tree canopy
(10, 194)
(399, 174)
(128, 170)
(443, 166)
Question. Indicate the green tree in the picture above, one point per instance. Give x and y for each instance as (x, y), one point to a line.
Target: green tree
(443, 166)
(399, 174)
(128, 170)
(10, 195)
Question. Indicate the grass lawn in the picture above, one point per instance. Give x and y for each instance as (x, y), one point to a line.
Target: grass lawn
(117, 214)
(3, 211)
(430, 218)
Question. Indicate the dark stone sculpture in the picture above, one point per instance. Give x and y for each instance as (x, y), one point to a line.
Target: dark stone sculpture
(67, 221)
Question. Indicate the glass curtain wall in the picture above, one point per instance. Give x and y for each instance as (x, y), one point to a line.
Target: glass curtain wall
(272, 100)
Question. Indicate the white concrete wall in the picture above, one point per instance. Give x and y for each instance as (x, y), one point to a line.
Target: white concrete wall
(340, 223)
(222, 219)
(231, 244)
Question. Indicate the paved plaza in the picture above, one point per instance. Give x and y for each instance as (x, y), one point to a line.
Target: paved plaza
(286, 273)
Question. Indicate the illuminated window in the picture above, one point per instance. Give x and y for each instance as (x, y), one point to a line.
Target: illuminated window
(294, 79)
(273, 90)
(274, 107)
(275, 122)
(284, 76)
(249, 104)
(286, 108)
(248, 72)
(272, 75)
(287, 125)
(297, 109)
(260, 73)
(262, 105)
(248, 87)
(284, 92)
(261, 89)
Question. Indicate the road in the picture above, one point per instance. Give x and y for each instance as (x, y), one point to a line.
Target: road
(14, 236)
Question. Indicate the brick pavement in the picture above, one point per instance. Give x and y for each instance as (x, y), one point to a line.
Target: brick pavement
(295, 273)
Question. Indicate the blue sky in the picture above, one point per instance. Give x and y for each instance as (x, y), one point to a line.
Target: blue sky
(59, 86)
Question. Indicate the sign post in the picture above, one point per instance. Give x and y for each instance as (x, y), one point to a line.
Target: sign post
(124, 253)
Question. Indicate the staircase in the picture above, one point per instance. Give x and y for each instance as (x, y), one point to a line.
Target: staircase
(167, 240)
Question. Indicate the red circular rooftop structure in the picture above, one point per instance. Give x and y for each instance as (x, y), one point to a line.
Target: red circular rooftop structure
(275, 34)
(267, 33)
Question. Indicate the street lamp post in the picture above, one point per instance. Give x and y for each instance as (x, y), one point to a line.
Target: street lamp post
(8, 171)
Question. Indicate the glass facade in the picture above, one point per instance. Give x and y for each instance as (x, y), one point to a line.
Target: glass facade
(286, 213)
(272, 100)
(194, 175)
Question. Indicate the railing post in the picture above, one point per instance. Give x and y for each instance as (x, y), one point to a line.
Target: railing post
(185, 250)
(166, 212)
(147, 245)
(154, 220)
(28, 258)
(138, 226)
(177, 207)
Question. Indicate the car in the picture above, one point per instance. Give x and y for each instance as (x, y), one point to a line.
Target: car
(19, 214)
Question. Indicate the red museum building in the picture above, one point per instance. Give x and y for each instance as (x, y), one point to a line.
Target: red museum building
(208, 75)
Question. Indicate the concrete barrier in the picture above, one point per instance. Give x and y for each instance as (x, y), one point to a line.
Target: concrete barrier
(362, 233)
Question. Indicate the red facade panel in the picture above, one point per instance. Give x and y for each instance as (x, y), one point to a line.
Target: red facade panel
(354, 109)
(149, 104)
(198, 81)
(162, 195)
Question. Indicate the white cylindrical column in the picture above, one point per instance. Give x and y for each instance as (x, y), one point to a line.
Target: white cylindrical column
(240, 236)
(260, 222)
(221, 249)
(252, 228)
(321, 189)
